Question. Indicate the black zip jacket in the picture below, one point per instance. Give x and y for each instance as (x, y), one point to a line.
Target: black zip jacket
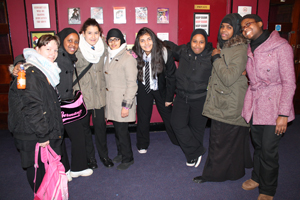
(34, 113)
(193, 72)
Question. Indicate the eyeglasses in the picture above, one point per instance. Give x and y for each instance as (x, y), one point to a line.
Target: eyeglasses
(113, 40)
(246, 26)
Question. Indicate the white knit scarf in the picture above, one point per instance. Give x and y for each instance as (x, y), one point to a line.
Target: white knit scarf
(93, 56)
(49, 69)
(113, 53)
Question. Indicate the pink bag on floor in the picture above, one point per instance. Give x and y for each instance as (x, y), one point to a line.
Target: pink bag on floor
(55, 182)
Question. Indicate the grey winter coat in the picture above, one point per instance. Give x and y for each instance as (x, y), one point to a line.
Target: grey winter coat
(227, 86)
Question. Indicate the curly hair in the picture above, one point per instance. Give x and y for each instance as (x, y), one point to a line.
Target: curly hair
(157, 61)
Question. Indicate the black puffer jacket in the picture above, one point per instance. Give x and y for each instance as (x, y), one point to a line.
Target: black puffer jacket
(64, 87)
(193, 72)
(34, 113)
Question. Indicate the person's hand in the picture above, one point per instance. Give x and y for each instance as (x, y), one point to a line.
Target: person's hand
(216, 51)
(281, 125)
(124, 112)
(16, 69)
(44, 144)
(244, 73)
(168, 103)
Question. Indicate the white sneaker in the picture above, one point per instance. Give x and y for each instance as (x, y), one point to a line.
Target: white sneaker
(69, 175)
(86, 172)
(142, 151)
(198, 161)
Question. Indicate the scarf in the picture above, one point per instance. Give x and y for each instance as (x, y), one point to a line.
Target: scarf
(49, 69)
(261, 39)
(92, 56)
(113, 53)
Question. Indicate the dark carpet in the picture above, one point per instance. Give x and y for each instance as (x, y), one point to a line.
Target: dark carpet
(159, 174)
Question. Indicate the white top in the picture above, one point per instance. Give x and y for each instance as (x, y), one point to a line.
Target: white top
(153, 81)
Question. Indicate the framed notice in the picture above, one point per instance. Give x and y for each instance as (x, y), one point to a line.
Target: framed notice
(74, 16)
(35, 35)
(141, 15)
(201, 20)
(97, 14)
(119, 15)
(41, 17)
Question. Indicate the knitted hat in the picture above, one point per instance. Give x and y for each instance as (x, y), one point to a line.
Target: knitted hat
(114, 32)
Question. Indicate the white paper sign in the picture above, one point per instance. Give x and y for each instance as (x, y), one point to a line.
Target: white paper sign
(244, 10)
(163, 36)
(119, 15)
(41, 17)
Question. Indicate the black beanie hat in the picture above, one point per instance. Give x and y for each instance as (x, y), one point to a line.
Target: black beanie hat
(114, 32)
(234, 19)
(252, 16)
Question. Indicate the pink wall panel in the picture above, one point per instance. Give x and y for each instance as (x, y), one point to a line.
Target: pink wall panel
(17, 26)
(130, 28)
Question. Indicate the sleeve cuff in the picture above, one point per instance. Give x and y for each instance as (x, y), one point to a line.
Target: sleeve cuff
(215, 57)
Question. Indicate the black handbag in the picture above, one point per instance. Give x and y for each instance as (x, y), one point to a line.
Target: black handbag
(75, 109)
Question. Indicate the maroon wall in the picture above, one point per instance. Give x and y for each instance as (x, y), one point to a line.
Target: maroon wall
(186, 18)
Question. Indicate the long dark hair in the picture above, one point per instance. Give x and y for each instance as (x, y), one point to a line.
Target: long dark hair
(157, 61)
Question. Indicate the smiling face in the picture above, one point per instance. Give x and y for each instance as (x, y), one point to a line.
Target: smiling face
(71, 43)
(226, 31)
(146, 43)
(114, 43)
(49, 51)
(251, 29)
(198, 43)
(91, 35)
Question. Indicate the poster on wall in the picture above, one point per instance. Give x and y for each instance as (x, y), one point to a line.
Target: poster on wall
(97, 14)
(141, 15)
(35, 35)
(163, 15)
(119, 15)
(163, 36)
(244, 10)
(201, 20)
(41, 17)
(74, 15)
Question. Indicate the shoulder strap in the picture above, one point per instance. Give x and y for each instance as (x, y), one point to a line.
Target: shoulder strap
(82, 74)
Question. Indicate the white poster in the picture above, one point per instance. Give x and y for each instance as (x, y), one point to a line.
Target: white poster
(97, 14)
(244, 10)
(163, 36)
(41, 17)
(119, 15)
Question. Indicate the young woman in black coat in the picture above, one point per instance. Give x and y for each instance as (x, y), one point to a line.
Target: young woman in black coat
(192, 77)
(151, 52)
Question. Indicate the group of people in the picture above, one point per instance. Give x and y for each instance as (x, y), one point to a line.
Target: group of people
(237, 85)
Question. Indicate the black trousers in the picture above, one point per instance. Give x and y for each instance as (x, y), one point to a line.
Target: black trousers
(265, 158)
(228, 153)
(40, 173)
(189, 125)
(100, 133)
(75, 132)
(144, 112)
(123, 141)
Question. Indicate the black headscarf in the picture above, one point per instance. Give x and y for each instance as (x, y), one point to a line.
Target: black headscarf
(234, 19)
(198, 31)
(62, 35)
(114, 32)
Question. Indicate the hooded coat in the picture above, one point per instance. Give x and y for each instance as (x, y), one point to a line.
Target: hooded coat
(227, 86)
(272, 82)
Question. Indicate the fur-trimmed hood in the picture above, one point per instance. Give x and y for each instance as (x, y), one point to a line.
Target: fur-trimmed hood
(234, 41)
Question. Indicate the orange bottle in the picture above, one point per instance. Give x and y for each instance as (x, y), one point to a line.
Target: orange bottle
(21, 80)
